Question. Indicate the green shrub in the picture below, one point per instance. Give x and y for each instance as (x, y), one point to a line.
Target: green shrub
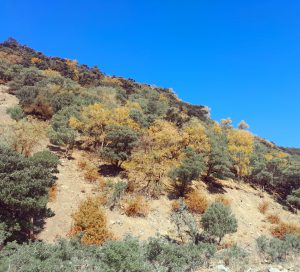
(279, 250)
(16, 113)
(189, 170)
(23, 194)
(218, 220)
(46, 159)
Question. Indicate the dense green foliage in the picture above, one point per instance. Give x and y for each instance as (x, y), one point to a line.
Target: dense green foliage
(120, 142)
(277, 249)
(189, 169)
(129, 254)
(24, 187)
(218, 221)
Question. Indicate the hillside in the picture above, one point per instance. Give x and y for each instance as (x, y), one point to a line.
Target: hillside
(92, 158)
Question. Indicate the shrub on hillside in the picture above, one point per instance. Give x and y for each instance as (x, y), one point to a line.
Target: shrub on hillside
(90, 223)
(196, 202)
(136, 206)
(46, 159)
(218, 221)
(283, 228)
(294, 198)
(273, 218)
(16, 113)
(189, 170)
(23, 194)
(263, 206)
(279, 249)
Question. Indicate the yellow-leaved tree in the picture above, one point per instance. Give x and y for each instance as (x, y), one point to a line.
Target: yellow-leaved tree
(91, 124)
(156, 154)
(194, 136)
(240, 146)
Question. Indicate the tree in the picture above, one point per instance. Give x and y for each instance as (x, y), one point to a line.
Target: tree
(24, 188)
(218, 221)
(25, 135)
(120, 142)
(240, 146)
(195, 136)
(218, 161)
(243, 125)
(157, 152)
(189, 169)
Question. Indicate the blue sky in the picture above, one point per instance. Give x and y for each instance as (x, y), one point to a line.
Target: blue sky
(241, 58)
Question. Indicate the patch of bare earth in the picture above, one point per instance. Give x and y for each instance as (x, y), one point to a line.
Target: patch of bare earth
(71, 190)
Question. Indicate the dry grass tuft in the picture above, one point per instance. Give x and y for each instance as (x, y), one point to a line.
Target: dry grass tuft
(263, 206)
(136, 207)
(273, 219)
(52, 192)
(223, 199)
(283, 228)
(196, 202)
(91, 174)
(82, 164)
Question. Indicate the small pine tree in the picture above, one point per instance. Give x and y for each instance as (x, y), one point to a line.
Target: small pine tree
(218, 221)
(189, 170)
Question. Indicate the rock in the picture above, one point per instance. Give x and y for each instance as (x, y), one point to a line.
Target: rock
(222, 268)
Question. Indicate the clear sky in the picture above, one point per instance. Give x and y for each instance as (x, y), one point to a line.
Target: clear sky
(240, 58)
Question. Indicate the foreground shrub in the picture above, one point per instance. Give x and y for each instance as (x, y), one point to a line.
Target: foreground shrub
(196, 202)
(233, 256)
(23, 194)
(126, 255)
(90, 222)
(218, 221)
(136, 206)
(46, 159)
(280, 230)
(279, 250)
(174, 257)
(91, 173)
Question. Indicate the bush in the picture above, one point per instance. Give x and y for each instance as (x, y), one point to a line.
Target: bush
(263, 206)
(46, 159)
(23, 194)
(233, 256)
(218, 221)
(136, 206)
(90, 222)
(91, 173)
(121, 140)
(280, 230)
(278, 250)
(177, 258)
(196, 202)
(116, 191)
(16, 113)
(126, 255)
(294, 198)
(189, 170)
(52, 193)
(273, 218)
